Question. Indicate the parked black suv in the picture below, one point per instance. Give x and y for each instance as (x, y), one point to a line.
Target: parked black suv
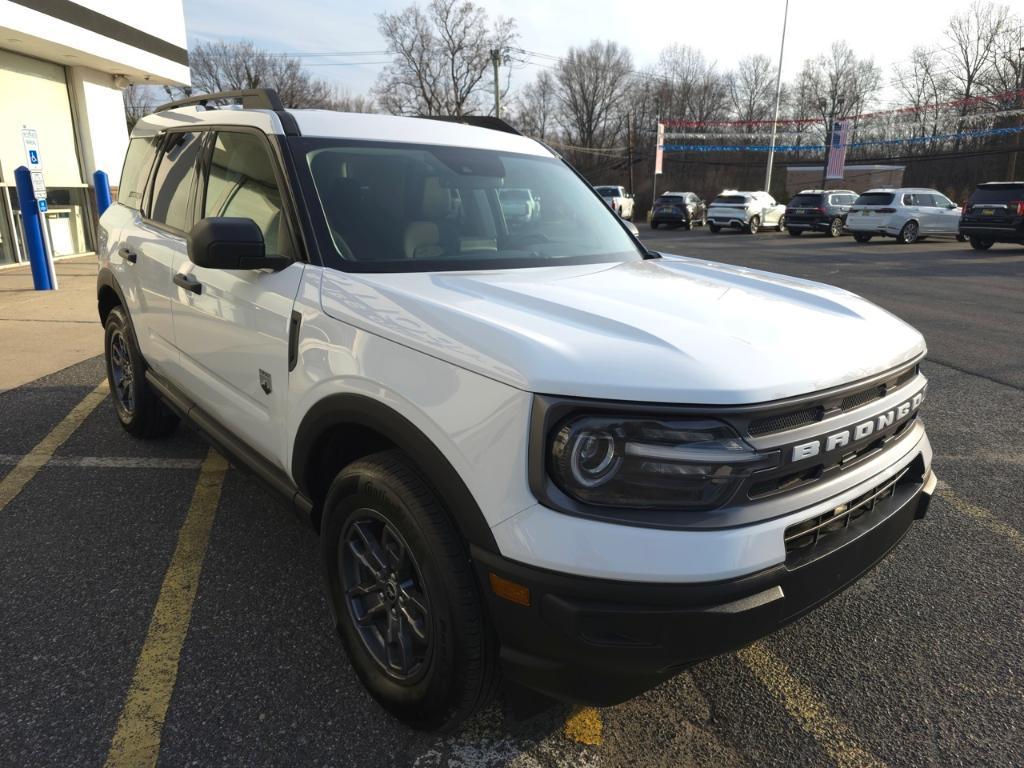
(994, 214)
(815, 210)
(677, 209)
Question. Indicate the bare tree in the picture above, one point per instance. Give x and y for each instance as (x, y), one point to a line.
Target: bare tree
(344, 101)
(138, 102)
(592, 85)
(690, 87)
(975, 36)
(442, 62)
(752, 88)
(536, 105)
(227, 66)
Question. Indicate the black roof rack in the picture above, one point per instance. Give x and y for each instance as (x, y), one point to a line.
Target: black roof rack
(477, 121)
(253, 98)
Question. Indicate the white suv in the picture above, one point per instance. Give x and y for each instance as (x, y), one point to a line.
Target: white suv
(908, 214)
(541, 449)
(749, 211)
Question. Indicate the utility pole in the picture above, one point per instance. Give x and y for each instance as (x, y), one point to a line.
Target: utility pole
(629, 151)
(778, 98)
(495, 61)
(1011, 165)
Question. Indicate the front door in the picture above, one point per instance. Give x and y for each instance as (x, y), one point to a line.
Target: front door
(231, 326)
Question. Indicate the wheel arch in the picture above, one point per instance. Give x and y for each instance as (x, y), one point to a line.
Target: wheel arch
(344, 427)
(108, 293)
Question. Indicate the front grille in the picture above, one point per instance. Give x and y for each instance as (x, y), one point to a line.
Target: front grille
(809, 533)
(781, 422)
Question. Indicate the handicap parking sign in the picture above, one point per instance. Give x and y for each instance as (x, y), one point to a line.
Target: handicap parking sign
(33, 157)
(42, 206)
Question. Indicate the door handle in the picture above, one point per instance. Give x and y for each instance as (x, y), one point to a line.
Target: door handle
(188, 282)
(128, 255)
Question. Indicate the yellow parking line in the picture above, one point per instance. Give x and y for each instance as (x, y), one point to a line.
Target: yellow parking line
(831, 735)
(136, 741)
(981, 515)
(15, 480)
(584, 726)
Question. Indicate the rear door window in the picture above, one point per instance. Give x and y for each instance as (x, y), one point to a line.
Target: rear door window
(175, 176)
(875, 198)
(138, 162)
(1000, 194)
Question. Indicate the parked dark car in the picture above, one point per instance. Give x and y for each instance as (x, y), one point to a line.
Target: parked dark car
(994, 214)
(679, 209)
(815, 210)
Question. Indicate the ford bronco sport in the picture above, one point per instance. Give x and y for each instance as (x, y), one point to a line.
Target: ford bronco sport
(539, 453)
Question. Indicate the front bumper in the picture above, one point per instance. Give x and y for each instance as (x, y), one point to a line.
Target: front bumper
(601, 642)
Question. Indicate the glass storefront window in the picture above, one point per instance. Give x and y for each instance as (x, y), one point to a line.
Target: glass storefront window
(67, 220)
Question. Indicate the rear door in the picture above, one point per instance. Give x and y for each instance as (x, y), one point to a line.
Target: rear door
(946, 215)
(232, 326)
(157, 241)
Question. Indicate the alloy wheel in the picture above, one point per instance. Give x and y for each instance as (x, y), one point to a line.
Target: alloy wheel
(384, 594)
(122, 372)
(910, 232)
(836, 227)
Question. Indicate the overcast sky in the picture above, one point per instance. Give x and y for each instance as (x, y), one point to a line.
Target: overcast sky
(884, 29)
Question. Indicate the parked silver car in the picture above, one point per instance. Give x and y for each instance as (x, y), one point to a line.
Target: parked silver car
(907, 214)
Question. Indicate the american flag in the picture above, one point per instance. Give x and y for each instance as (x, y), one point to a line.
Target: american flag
(837, 152)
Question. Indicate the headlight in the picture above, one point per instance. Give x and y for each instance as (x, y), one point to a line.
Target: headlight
(647, 463)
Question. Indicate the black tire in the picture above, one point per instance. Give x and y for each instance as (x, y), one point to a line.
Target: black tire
(835, 227)
(782, 223)
(714, 228)
(981, 244)
(961, 238)
(753, 225)
(458, 672)
(138, 408)
(861, 238)
(654, 225)
(795, 232)
(910, 233)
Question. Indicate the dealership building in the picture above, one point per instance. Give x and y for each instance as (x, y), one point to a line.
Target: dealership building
(63, 68)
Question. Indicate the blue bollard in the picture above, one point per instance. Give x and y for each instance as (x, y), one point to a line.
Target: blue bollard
(33, 232)
(102, 185)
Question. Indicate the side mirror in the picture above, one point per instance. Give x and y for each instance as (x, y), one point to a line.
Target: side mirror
(231, 243)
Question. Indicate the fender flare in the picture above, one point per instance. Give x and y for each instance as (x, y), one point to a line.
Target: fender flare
(361, 411)
(106, 279)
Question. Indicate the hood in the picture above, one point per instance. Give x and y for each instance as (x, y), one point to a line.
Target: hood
(671, 330)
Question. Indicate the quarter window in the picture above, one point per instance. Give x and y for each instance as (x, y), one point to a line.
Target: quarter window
(173, 183)
(242, 183)
(138, 162)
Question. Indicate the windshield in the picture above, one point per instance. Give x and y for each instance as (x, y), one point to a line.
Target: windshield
(403, 208)
(875, 198)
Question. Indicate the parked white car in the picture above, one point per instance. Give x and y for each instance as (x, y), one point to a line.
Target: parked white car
(749, 211)
(908, 214)
(519, 205)
(618, 199)
(537, 453)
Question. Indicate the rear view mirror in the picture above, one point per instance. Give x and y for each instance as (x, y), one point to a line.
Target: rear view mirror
(231, 243)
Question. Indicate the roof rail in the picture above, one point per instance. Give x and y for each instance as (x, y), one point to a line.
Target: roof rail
(477, 121)
(252, 98)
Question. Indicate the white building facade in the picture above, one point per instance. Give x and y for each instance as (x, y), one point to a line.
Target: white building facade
(63, 68)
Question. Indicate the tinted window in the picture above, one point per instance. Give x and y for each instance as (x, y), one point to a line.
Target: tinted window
(242, 183)
(138, 162)
(730, 200)
(998, 194)
(173, 182)
(810, 201)
(407, 207)
(875, 198)
(608, 191)
(670, 199)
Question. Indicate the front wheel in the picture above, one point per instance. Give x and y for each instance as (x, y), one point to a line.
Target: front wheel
(861, 238)
(754, 225)
(140, 411)
(980, 244)
(909, 233)
(782, 223)
(403, 595)
(835, 227)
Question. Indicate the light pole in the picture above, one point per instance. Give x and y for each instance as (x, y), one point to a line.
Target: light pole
(778, 97)
(822, 104)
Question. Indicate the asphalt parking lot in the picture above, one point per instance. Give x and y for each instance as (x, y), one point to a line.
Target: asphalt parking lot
(919, 663)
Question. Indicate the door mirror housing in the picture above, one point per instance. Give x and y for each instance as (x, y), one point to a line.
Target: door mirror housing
(222, 242)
